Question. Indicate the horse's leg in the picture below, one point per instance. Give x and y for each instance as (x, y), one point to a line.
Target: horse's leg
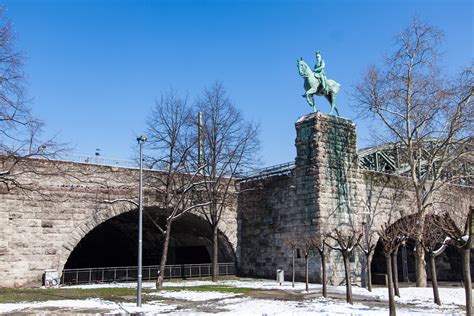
(309, 100)
(331, 97)
(310, 97)
(333, 103)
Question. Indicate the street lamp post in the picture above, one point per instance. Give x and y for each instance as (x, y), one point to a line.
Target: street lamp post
(140, 141)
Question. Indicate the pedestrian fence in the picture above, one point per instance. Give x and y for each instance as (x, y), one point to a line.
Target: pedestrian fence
(127, 274)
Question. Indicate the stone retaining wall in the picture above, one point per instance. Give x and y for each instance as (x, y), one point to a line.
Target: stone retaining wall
(59, 203)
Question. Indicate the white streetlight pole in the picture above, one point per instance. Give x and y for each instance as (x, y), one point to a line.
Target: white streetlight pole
(140, 141)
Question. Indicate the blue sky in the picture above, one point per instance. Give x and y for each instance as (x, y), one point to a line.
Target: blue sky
(95, 67)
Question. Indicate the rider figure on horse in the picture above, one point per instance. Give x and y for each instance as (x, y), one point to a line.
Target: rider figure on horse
(319, 72)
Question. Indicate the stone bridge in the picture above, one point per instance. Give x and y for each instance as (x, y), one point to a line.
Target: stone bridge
(62, 215)
(73, 215)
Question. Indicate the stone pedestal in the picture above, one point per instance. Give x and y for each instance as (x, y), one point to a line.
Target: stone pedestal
(326, 168)
(317, 196)
(326, 176)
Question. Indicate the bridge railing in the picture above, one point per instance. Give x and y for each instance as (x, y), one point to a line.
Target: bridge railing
(98, 160)
(276, 170)
(127, 274)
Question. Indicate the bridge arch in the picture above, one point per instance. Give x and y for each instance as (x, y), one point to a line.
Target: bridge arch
(109, 238)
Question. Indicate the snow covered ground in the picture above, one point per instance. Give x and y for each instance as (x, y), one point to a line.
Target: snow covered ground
(413, 301)
(193, 296)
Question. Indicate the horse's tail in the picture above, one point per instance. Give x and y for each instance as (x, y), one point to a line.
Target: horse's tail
(335, 87)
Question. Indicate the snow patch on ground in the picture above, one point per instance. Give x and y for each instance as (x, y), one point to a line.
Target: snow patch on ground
(244, 282)
(422, 297)
(194, 296)
(248, 306)
(420, 300)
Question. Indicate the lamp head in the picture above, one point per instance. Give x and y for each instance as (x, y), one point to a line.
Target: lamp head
(141, 139)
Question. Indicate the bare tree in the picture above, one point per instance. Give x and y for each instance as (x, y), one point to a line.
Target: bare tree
(456, 221)
(434, 242)
(170, 143)
(293, 242)
(20, 130)
(427, 114)
(390, 240)
(370, 237)
(306, 245)
(346, 242)
(368, 249)
(396, 286)
(392, 237)
(319, 243)
(229, 146)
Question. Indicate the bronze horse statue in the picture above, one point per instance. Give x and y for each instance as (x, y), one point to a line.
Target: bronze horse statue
(313, 86)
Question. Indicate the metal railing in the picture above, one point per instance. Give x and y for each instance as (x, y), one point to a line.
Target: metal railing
(98, 160)
(127, 274)
(276, 170)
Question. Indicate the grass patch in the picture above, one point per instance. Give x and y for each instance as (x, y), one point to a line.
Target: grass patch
(12, 295)
(8, 295)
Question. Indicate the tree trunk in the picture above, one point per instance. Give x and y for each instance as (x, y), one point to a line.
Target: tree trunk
(369, 273)
(164, 256)
(324, 279)
(215, 253)
(434, 280)
(347, 269)
(306, 273)
(395, 272)
(466, 274)
(420, 265)
(293, 267)
(391, 296)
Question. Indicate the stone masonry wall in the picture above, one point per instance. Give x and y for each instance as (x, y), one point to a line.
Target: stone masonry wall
(59, 204)
(325, 191)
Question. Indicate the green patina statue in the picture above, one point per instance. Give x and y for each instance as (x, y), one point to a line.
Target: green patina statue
(319, 72)
(316, 83)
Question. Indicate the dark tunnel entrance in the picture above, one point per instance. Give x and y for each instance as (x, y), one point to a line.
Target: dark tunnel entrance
(114, 243)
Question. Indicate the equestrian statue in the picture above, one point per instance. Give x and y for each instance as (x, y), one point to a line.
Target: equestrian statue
(316, 83)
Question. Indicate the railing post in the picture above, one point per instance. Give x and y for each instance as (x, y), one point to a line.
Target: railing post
(90, 276)
(77, 276)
